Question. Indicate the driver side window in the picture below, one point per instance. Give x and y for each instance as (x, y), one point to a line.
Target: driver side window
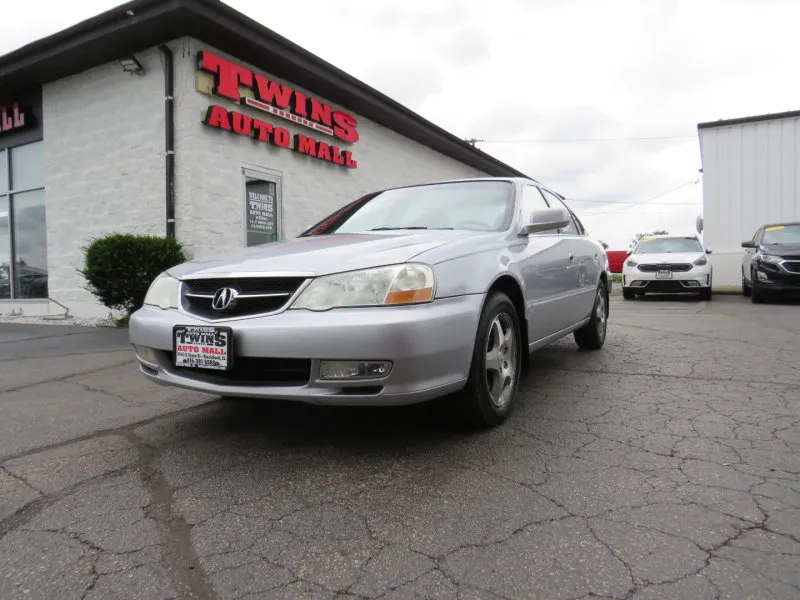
(572, 228)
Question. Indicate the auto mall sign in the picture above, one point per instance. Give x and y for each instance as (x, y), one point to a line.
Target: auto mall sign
(277, 100)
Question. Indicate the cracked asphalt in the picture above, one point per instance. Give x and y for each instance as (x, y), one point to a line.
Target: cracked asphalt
(666, 465)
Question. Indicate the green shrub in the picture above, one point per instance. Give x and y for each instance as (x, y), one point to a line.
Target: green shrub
(120, 267)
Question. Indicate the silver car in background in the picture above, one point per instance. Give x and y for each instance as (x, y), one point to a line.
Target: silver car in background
(402, 296)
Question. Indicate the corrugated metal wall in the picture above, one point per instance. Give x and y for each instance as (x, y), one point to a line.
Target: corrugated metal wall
(751, 176)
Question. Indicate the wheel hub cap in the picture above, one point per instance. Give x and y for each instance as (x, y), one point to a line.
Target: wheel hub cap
(501, 360)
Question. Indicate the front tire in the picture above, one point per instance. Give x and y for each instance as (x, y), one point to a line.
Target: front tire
(592, 336)
(628, 293)
(489, 395)
(756, 295)
(705, 295)
(745, 288)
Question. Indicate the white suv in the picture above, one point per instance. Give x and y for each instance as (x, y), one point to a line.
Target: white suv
(667, 264)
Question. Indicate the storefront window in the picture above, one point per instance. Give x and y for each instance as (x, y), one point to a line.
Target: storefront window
(23, 229)
(5, 251)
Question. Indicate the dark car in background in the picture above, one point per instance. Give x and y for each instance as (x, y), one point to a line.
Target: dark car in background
(771, 262)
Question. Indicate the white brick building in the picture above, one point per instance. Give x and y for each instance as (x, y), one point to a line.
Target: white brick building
(99, 149)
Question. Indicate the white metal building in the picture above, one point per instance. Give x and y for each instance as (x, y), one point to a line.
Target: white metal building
(751, 176)
(186, 118)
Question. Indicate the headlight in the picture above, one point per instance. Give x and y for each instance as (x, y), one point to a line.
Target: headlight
(631, 263)
(769, 258)
(164, 292)
(398, 284)
(701, 261)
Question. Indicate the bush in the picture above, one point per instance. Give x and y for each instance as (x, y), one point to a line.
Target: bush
(119, 268)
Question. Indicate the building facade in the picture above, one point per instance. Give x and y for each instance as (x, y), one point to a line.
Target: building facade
(751, 177)
(185, 118)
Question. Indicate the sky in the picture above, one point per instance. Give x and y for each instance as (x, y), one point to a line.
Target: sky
(599, 100)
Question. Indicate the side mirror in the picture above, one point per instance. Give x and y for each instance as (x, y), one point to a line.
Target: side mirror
(628, 252)
(708, 250)
(748, 244)
(545, 219)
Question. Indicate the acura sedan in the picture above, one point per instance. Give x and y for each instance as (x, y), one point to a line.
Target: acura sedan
(402, 296)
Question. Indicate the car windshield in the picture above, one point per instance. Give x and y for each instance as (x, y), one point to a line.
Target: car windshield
(465, 205)
(781, 234)
(667, 245)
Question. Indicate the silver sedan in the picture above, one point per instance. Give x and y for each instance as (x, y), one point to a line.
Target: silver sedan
(402, 296)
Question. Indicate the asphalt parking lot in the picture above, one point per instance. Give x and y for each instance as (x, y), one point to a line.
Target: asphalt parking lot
(665, 466)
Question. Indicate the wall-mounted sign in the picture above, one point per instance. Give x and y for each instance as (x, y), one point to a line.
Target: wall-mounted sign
(234, 121)
(14, 118)
(241, 85)
(261, 212)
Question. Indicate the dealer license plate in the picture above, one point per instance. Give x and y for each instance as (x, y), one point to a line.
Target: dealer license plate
(663, 274)
(203, 347)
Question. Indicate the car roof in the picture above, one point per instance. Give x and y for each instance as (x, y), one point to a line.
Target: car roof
(518, 180)
(780, 224)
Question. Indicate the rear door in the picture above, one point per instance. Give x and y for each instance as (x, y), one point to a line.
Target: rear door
(546, 271)
(584, 264)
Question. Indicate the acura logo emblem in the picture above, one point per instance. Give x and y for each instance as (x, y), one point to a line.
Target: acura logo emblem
(224, 299)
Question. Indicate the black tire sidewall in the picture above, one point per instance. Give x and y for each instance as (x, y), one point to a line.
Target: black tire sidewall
(477, 388)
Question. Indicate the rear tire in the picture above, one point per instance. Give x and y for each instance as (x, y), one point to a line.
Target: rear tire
(592, 336)
(628, 293)
(490, 393)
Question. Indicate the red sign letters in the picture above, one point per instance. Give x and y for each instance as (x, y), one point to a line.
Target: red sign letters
(14, 117)
(278, 100)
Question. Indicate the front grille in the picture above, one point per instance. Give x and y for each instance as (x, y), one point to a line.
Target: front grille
(665, 286)
(257, 295)
(253, 371)
(793, 266)
(677, 267)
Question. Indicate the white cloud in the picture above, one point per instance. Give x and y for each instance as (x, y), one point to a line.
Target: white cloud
(549, 69)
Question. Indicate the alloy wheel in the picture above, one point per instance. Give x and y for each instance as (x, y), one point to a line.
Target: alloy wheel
(501, 367)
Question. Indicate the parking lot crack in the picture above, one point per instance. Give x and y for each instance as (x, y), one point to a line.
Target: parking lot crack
(179, 558)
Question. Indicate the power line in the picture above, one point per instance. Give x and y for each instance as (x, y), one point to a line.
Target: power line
(614, 210)
(595, 201)
(474, 141)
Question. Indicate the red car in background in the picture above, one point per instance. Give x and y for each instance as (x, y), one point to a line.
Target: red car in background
(616, 258)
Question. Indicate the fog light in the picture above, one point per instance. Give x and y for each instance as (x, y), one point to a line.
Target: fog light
(762, 276)
(146, 354)
(692, 283)
(356, 369)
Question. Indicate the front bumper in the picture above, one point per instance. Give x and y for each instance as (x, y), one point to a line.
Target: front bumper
(695, 280)
(775, 278)
(430, 346)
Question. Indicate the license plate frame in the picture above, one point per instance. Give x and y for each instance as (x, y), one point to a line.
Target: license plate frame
(200, 359)
(663, 274)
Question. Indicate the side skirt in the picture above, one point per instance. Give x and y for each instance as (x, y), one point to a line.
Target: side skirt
(556, 336)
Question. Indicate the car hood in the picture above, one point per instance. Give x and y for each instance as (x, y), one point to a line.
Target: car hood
(782, 249)
(324, 254)
(666, 257)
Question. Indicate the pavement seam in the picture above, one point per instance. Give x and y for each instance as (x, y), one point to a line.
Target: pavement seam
(64, 378)
(120, 430)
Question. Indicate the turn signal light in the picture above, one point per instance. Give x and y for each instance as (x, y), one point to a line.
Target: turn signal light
(408, 296)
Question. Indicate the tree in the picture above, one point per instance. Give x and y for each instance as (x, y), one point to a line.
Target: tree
(604, 244)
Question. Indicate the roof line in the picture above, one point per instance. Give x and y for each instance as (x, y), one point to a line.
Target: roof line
(753, 119)
(113, 33)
